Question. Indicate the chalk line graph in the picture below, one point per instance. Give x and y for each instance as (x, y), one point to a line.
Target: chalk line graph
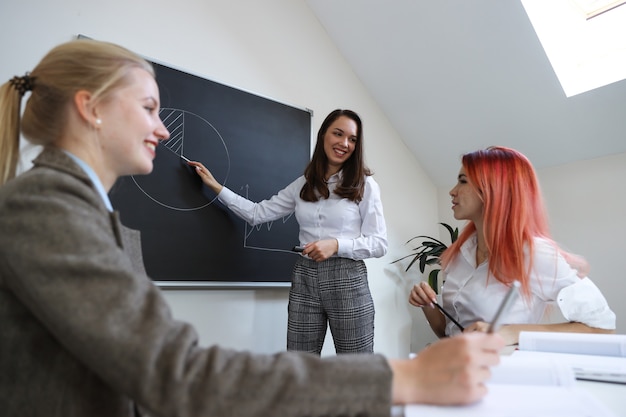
(250, 230)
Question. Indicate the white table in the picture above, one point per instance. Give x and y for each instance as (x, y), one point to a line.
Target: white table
(613, 396)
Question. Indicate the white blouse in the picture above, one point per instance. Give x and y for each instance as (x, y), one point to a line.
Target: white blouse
(469, 295)
(359, 228)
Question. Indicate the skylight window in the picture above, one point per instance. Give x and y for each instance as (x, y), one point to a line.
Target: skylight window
(585, 40)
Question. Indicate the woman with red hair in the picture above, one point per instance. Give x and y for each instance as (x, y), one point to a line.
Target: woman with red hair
(507, 239)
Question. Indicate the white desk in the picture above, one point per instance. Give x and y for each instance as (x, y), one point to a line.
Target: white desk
(613, 396)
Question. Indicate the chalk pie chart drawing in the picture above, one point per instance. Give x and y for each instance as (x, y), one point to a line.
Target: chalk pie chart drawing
(194, 138)
(252, 145)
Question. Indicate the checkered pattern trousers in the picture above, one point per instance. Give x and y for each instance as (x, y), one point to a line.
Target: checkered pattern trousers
(334, 293)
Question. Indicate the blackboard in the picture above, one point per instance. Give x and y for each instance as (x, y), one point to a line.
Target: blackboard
(253, 145)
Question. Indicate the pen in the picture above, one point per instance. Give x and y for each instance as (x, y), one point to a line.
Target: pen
(448, 315)
(505, 306)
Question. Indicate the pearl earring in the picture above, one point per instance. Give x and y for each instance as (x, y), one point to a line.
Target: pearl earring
(98, 122)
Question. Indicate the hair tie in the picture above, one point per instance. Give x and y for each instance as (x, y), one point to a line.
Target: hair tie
(22, 84)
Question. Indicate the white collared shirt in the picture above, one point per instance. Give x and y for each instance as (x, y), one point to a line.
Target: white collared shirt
(469, 296)
(360, 229)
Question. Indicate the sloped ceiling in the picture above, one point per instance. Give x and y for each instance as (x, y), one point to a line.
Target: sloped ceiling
(455, 76)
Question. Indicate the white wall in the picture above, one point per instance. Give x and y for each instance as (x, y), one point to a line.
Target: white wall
(277, 49)
(586, 204)
(587, 208)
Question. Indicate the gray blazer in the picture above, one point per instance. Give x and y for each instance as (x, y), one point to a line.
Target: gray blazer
(84, 331)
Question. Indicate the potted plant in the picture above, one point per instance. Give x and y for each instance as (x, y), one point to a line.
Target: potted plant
(428, 253)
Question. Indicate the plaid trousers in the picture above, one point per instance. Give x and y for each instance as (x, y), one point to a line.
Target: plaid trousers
(334, 293)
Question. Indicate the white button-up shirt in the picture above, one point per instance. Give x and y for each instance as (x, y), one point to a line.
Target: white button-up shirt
(360, 229)
(470, 296)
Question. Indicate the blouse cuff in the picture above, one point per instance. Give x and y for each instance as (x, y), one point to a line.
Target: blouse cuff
(226, 196)
(583, 302)
(344, 248)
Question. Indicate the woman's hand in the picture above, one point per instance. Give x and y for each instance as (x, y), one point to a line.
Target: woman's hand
(422, 295)
(206, 176)
(321, 250)
(451, 371)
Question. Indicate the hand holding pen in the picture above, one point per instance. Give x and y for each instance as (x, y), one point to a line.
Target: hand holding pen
(422, 295)
(449, 316)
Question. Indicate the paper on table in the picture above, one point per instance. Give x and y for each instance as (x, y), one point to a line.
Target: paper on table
(595, 357)
(525, 386)
(585, 367)
(577, 343)
(525, 370)
(507, 400)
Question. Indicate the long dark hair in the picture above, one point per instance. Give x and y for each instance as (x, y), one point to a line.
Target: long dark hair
(354, 169)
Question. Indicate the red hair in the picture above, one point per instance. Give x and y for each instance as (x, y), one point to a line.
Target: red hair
(514, 214)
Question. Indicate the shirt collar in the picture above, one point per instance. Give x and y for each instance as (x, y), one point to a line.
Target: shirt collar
(336, 177)
(94, 179)
(468, 249)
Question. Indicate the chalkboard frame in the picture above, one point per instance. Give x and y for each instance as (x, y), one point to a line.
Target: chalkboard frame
(304, 116)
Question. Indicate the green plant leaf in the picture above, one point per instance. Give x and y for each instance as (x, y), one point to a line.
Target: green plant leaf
(415, 259)
(432, 280)
(422, 263)
(426, 237)
(428, 252)
(400, 259)
(454, 233)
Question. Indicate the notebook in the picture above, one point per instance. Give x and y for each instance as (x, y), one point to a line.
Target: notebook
(592, 357)
(576, 343)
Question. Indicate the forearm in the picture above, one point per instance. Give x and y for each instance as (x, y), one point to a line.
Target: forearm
(436, 320)
(363, 247)
(215, 186)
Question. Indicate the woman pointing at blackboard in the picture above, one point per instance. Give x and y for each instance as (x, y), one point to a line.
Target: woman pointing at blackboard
(338, 208)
